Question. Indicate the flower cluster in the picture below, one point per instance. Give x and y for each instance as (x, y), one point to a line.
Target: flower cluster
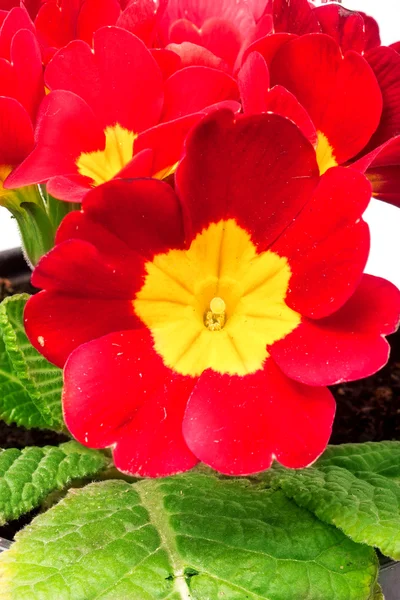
(212, 284)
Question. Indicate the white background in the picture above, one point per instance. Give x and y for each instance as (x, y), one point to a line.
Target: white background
(383, 219)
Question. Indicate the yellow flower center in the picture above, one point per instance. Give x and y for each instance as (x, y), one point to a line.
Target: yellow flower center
(325, 156)
(102, 165)
(217, 305)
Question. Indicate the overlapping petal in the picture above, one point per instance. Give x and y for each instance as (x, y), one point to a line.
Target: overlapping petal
(16, 132)
(332, 350)
(239, 437)
(20, 61)
(145, 424)
(332, 89)
(328, 244)
(277, 189)
(104, 248)
(119, 80)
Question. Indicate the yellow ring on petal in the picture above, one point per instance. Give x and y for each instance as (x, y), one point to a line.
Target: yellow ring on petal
(217, 305)
(325, 154)
(102, 165)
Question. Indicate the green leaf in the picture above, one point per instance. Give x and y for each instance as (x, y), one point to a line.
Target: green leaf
(58, 209)
(192, 537)
(27, 476)
(378, 594)
(354, 487)
(37, 232)
(30, 386)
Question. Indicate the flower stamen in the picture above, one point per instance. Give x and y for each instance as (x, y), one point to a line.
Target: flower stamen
(215, 317)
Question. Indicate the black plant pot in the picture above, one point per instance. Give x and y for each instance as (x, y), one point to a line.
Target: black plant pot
(14, 272)
(389, 578)
(14, 269)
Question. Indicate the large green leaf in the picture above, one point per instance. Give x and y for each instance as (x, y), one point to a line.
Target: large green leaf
(192, 537)
(354, 487)
(27, 476)
(30, 386)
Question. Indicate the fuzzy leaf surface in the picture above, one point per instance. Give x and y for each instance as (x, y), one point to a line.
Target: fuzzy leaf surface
(190, 537)
(27, 476)
(354, 487)
(30, 386)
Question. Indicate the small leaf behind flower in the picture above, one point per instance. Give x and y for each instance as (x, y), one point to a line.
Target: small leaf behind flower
(190, 537)
(30, 386)
(27, 476)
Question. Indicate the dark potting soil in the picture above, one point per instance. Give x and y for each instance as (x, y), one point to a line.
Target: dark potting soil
(369, 410)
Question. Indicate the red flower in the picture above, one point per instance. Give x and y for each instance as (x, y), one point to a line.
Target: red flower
(204, 327)
(351, 100)
(352, 30)
(21, 75)
(21, 90)
(222, 28)
(111, 114)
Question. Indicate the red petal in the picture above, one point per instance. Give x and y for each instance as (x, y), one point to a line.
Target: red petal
(71, 188)
(282, 102)
(238, 425)
(327, 255)
(194, 55)
(16, 133)
(73, 68)
(77, 268)
(8, 80)
(62, 116)
(332, 89)
(131, 80)
(372, 37)
(258, 170)
(140, 166)
(395, 46)
(27, 63)
(269, 45)
(238, 13)
(144, 213)
(347, 345)
(166, 141)
(183, 30)
(167, 60)
(295, 17)
(118, 392)
(344, 26)
(382, 167)
(57, 324)
(121, 81)
(263, 28)
(140, 18)
(95, 14)
(385, 183)
(253, 82)
(222, 38)
(56, 22)
(385, 63)
(17, 19)
(258, 8)
(192, 89)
